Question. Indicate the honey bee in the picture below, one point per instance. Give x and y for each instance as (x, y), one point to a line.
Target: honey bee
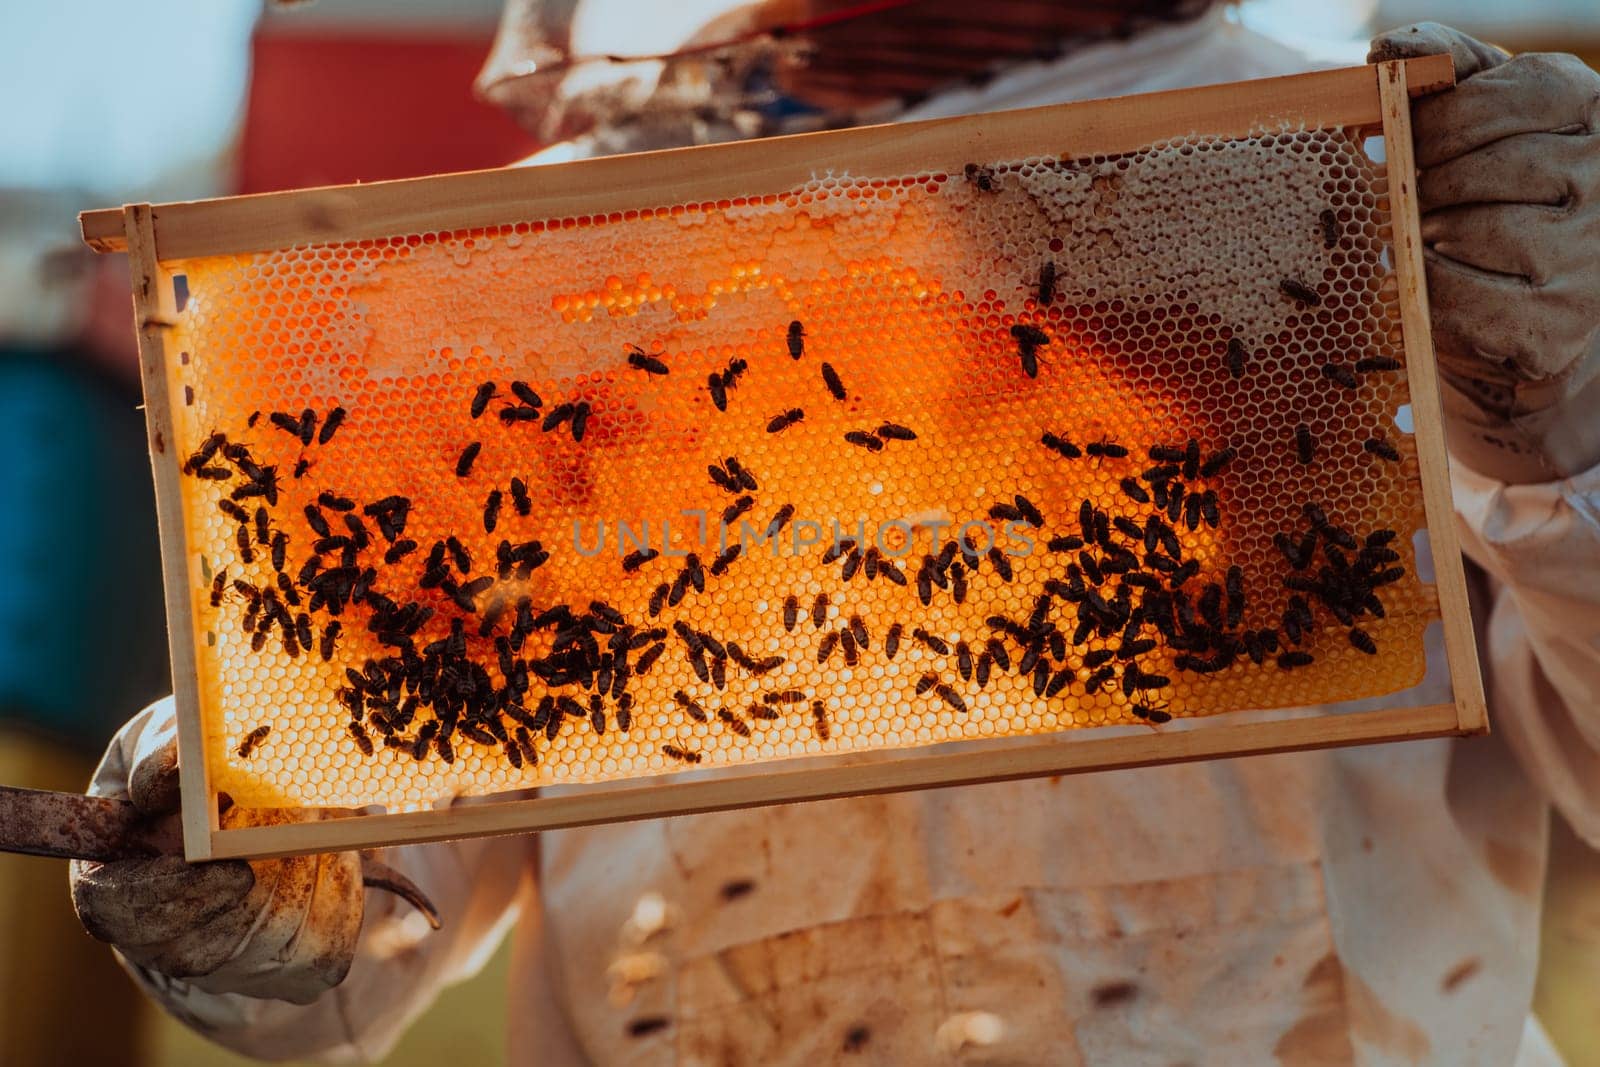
(480, 399)
(1382, 449)
(1218, 461)
(648, 660)
(1290, 660)
(791, 612)
(997, 559)
(1047, 282)
(468, 456)
(830, 378)
(893, 431)
(982, 177)
(251, 740)
(819, 720)
(1305, 444)
(1329, 221)
(1030, 514)
(1106, 450)
(202, 455)
(219, 585)
(559, 414)
(785, 419)
(1338, 372)
(1234, 583)
(1237, 356)
(491, 511)
(1376, 363)
(797, 339)
(1061, 446)
(1299, 292)
(719, 391)
(638, 558)
(1363, 641)
(641, 360)
(863, 439)
(363, 742)
(682, 755)
(1150, 713)
(580, 419)
(331, 425)
(1029, 340)
(737, 508)
(459, 554)
(1192, 509)
(289, 424)
(734, 723)
(689, 704)
(725, 559)
(891, 641)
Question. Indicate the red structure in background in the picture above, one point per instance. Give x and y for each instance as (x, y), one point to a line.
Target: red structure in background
(355, 105)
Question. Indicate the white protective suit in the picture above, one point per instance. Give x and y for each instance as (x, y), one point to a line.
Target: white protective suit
(1377, 905)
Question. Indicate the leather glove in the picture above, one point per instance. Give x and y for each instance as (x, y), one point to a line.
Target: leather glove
(283, 929)
(1509, 190)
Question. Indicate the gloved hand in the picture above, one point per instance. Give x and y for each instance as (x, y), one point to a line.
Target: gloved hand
(284, 929)
(1509, 192)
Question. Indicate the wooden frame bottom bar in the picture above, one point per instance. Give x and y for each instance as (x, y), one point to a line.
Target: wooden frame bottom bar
(606, 805)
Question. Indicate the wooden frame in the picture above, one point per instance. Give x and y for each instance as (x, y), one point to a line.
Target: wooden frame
(159, 238)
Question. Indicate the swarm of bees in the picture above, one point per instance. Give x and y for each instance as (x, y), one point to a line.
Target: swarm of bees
(463, 657)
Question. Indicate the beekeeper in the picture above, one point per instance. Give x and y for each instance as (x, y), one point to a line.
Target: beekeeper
(1374, 905)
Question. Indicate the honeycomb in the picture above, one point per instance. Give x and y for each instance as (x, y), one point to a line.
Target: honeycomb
(1044, 444)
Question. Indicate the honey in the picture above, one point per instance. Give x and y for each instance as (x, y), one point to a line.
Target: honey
(879, 462)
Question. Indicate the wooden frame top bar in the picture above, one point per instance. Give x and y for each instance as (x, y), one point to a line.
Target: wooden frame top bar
(268, 221)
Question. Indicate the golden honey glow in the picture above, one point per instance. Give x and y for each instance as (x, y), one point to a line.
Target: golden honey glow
(908, 288)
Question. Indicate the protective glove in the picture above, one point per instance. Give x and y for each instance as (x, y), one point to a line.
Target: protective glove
(1509, 192)
(283, 929)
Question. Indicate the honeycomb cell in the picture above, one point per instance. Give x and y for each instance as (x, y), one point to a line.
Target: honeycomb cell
(874, 463)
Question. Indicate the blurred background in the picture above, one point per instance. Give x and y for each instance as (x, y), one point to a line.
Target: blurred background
(110, 102)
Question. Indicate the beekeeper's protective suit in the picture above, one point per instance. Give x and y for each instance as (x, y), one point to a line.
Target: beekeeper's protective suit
(1377, 905)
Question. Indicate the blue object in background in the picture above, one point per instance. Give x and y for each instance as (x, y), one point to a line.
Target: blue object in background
(82, 624)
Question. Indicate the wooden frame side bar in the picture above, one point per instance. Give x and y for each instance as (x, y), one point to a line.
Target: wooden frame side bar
(1325, 99)
(1461, 647)
(155, 310)
(668, 798)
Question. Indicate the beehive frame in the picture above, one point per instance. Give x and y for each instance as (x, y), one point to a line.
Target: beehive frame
(1363, 97)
